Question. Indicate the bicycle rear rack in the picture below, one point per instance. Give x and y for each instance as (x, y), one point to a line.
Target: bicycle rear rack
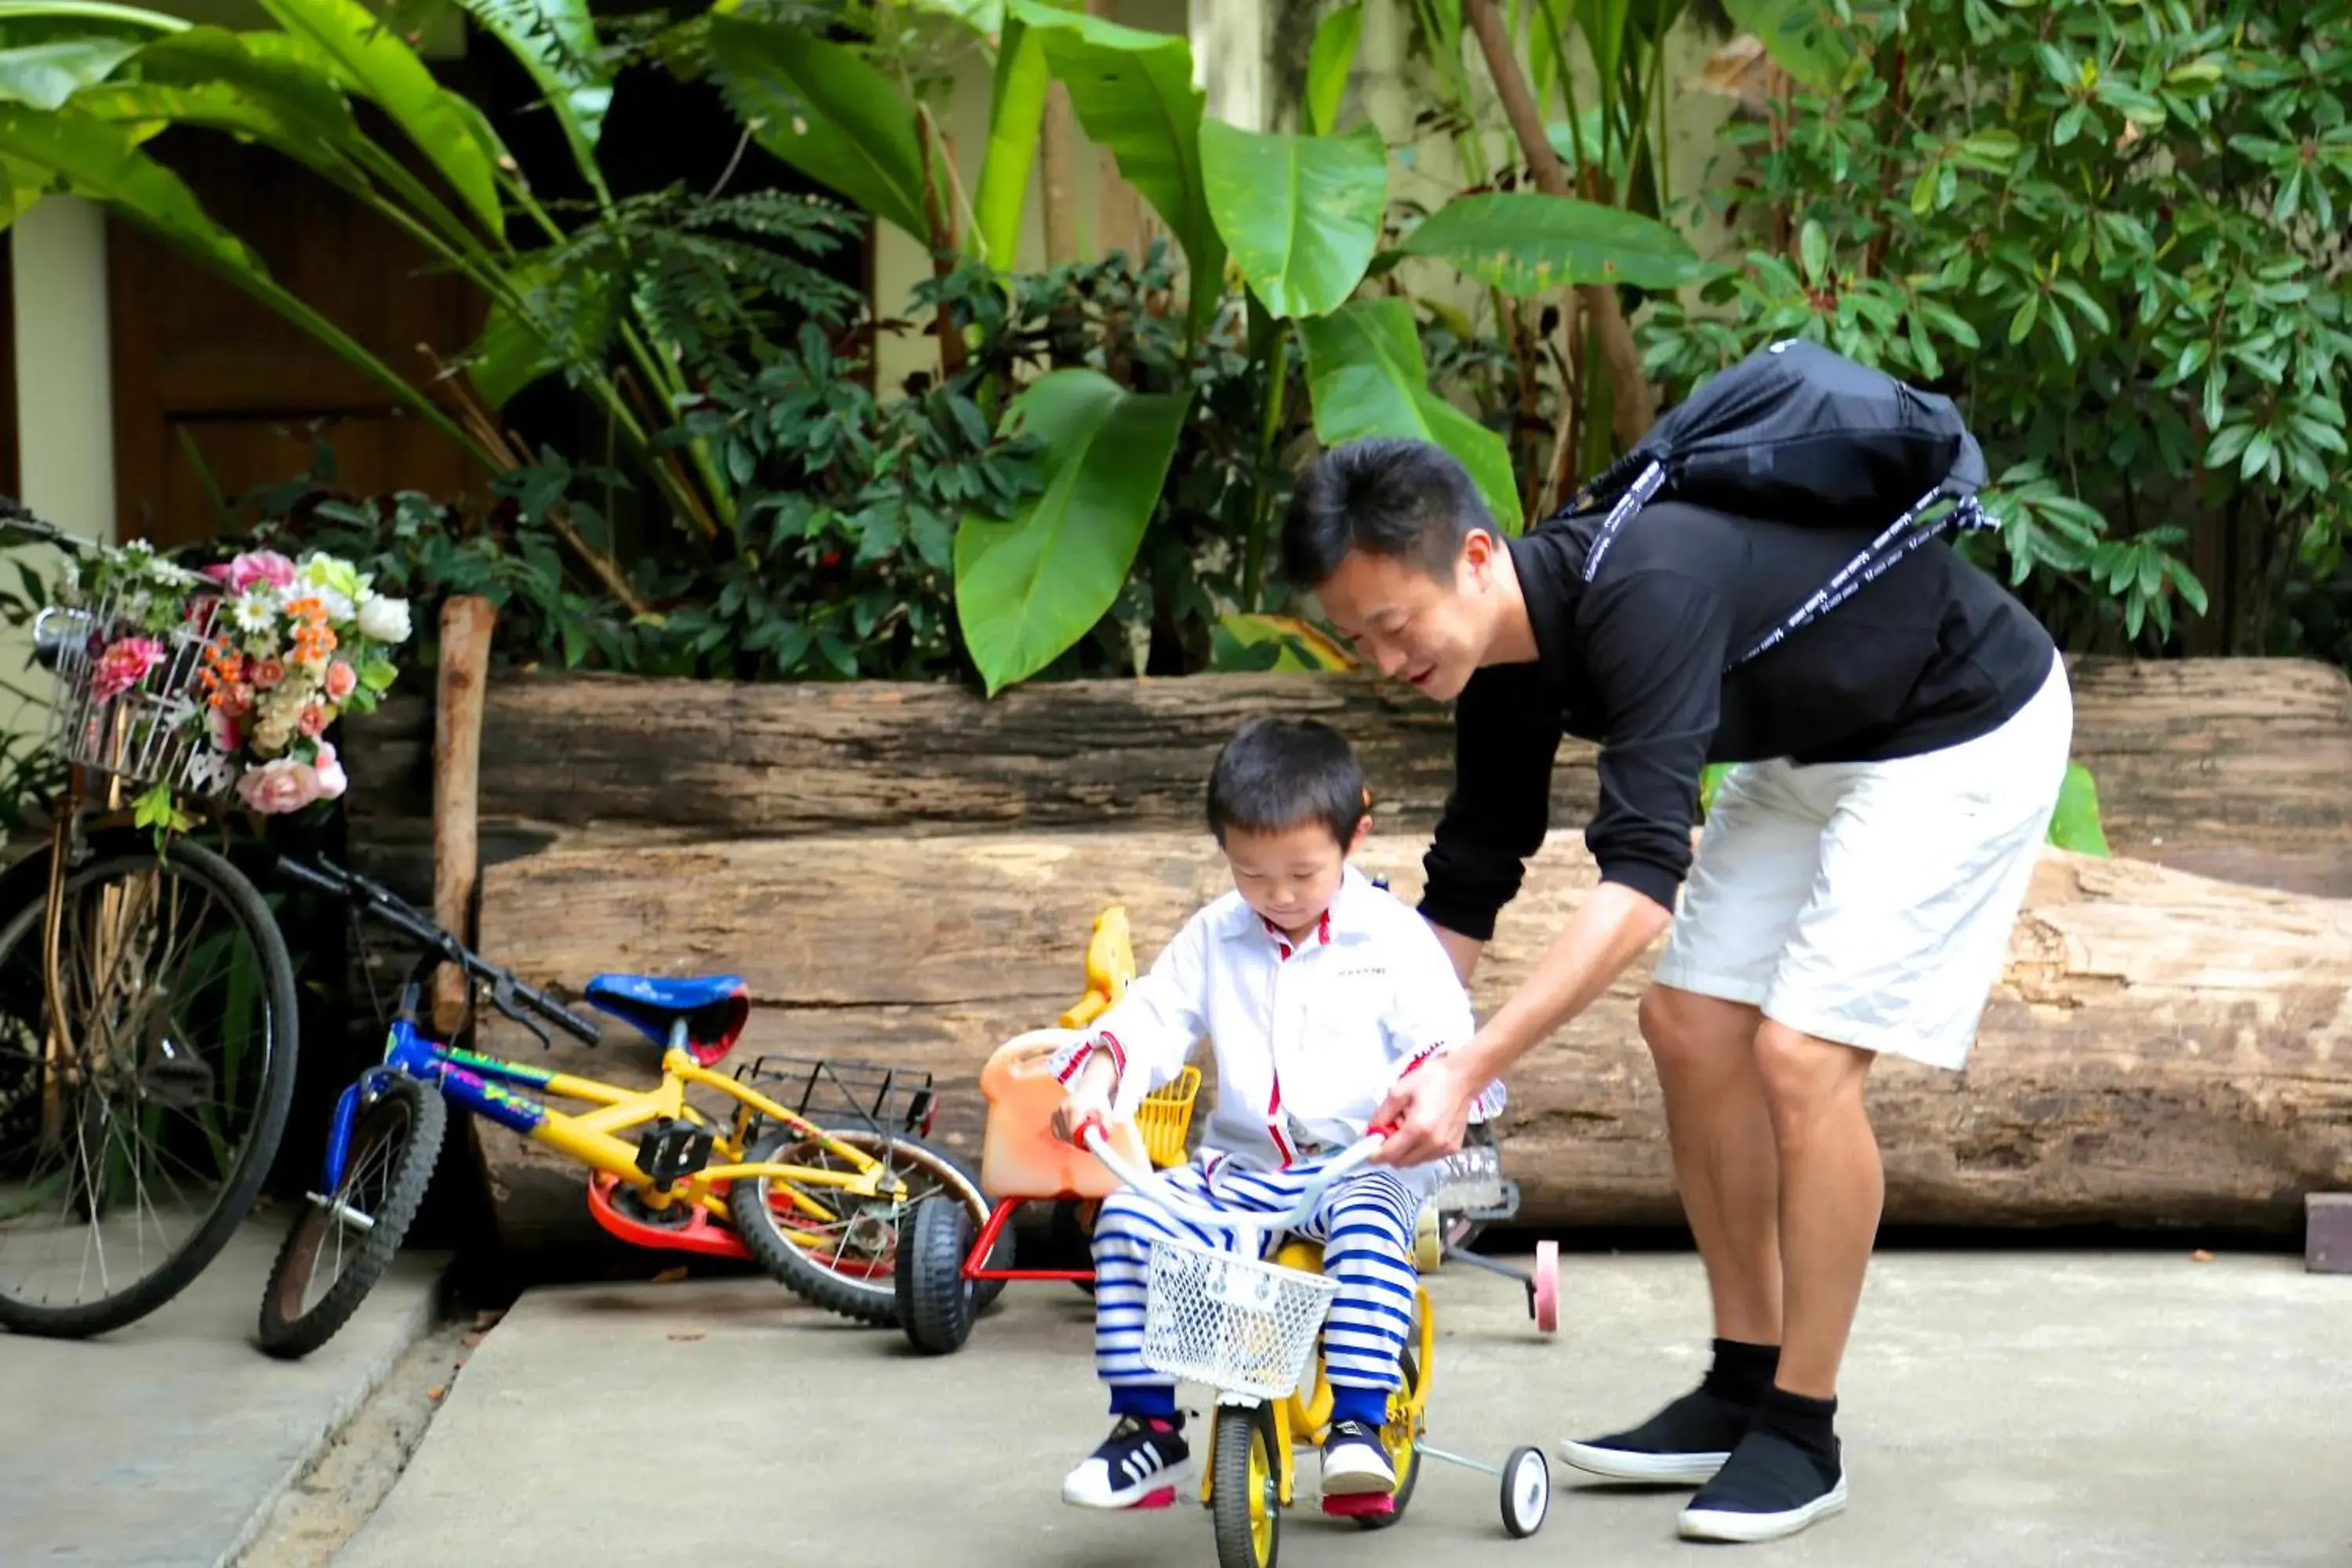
(875, 1093)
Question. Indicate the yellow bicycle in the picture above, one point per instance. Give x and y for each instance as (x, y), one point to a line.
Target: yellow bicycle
(819, 1208)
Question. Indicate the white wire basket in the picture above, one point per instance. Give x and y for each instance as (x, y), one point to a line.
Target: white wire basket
(1235, 1323)
(151, 730)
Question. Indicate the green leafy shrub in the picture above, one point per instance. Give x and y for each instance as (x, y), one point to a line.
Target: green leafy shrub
(2116, 234)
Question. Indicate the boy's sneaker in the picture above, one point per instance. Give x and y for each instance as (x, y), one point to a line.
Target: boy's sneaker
(1141, 1456)
(1354, 1462)
(1689, 1442)
(1770, 1487)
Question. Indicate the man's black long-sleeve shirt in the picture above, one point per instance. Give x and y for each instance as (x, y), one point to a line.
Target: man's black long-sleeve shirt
(1932, 654)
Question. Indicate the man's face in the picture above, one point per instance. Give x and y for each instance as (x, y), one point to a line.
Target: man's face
(1429, 632)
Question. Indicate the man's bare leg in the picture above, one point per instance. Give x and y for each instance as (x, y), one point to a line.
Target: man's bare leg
(1832, 1192)
(1789, 1470)
(1725, 1168)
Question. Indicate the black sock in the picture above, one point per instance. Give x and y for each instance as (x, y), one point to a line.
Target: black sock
(1809, 1424)
(1742, 1373)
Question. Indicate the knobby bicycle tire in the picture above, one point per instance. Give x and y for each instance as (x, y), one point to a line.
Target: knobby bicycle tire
(112, 853)
(873, 1300)
(1238, 1427)
(288, 1332)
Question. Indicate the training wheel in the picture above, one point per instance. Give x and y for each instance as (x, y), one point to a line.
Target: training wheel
(1527, 1492)
(1547, 1286)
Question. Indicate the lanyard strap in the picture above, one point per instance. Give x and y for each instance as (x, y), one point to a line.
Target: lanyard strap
(1899, 539)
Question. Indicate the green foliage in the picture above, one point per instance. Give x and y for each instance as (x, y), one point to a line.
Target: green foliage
(2115, 234)
(2075, 824)
(1300, 214)
(1028, 587)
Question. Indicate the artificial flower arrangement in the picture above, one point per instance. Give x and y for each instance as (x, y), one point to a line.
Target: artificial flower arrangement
(249, 662)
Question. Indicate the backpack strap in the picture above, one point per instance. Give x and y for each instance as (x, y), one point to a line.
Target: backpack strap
(1901, 537)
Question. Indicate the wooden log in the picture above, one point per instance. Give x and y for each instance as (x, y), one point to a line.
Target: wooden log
(467, 620)
(2230, 766)
(2162, 1048)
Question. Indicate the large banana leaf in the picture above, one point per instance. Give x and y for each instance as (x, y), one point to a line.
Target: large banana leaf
(44, 74)
(22, 187)
(103, 161)
(372, 59)
(1334, 56)
(1301, 214)
(556, 42)
(826, 113)
(1366, 375)
(1016, 116)
(1524, 242)
(1133, 93)
(145, 107)
(1027, 589)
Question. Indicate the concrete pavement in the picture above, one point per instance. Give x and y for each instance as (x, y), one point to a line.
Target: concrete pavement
(164, 1444)
(1999, 1410)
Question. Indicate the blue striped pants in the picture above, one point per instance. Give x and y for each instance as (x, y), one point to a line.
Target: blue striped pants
(1365, 1223)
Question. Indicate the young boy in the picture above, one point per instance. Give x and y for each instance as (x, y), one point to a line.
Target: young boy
(1318, 990)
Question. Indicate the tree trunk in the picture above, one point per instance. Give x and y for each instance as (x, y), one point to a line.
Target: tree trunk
(466, 623)
(1633, 406)
(2161, 1049)
(2235, 768)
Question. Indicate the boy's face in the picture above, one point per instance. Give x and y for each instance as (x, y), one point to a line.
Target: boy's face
(1290, 876)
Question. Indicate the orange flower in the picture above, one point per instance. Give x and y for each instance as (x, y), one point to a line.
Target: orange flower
(309, 609)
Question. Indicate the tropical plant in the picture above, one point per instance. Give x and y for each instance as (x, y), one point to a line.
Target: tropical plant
(2116, 234)
(601, 300)
(1297, 219)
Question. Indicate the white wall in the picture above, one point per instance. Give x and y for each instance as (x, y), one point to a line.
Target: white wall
(65, 404)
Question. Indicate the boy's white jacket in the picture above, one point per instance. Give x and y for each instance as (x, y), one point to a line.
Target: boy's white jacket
(1309, 1039)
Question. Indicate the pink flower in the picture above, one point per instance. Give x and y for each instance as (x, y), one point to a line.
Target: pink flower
(237, 700)
(276, 787)
(124, 666)
(329, 770)
(342, 680)
(254, 566)
(227, 737)
(266, 672)
(311, 722)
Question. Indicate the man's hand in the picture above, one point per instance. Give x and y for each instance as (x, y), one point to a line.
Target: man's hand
(1430, 1108)
(1089, 1096)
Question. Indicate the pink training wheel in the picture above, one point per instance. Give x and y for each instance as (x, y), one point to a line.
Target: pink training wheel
(1548, 1286)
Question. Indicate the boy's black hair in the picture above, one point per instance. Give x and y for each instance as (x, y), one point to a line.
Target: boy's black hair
(1411, 501)
(1276, 774)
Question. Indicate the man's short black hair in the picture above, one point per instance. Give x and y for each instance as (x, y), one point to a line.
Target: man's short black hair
(1275, 774)
(1411, 501)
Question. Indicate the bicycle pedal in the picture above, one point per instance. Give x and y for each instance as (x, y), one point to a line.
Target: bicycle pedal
(1164, 1498)
(672, 1149)
(1356, 1505)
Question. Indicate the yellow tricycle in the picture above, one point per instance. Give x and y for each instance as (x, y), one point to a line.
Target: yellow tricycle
(1250, 1328)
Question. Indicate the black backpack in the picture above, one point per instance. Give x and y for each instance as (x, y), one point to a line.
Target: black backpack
(1797, 434)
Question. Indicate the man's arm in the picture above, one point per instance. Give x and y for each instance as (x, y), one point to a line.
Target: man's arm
(1507, 737)
(1654, 652)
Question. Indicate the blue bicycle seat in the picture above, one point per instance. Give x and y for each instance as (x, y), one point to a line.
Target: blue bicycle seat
(714, 1007)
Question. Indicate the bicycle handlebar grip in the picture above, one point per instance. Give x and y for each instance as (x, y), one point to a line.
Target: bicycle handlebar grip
(557, 1013)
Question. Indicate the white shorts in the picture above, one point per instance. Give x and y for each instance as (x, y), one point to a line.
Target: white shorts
(1872, 903)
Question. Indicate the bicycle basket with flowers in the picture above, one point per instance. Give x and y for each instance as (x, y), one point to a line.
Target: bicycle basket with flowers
(201, 682)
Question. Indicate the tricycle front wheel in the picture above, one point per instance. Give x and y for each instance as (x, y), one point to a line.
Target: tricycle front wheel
(1243, 1498)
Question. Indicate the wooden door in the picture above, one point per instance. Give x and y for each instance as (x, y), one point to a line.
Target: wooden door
(215, 393)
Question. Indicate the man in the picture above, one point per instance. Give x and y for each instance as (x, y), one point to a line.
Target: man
(1853, 894)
